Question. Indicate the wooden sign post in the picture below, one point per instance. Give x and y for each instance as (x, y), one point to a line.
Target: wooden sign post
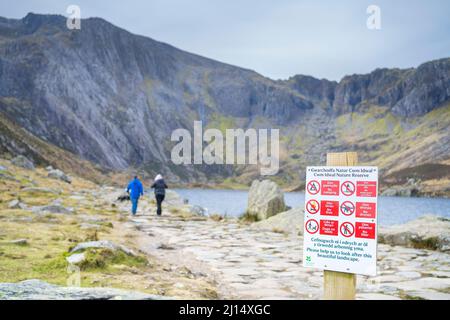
(340, 285)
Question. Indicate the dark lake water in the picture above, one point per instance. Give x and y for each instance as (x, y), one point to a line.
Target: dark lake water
(391, 210)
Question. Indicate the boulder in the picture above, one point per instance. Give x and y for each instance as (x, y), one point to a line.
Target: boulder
(103, 244)
(290, 221)
(40, 290)
(19, 242)
(197, 210)
(173, 199)
(76, 258)
(58, 174)
(23, 162)
(2, 168)
(411, 188)
(265, 199)
(427, 232)
(49, 168)
(16, 204)
(53, 209)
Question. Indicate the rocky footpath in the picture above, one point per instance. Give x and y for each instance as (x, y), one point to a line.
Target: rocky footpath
(252, 263)
(181, 254)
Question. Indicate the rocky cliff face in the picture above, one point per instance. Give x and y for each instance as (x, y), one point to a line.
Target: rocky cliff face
(114, 98)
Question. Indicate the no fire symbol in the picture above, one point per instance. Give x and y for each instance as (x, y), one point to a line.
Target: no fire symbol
(312, 226)
(312, 206)
(348, 188)
(347, 229)
(347, 208)
(313, 187)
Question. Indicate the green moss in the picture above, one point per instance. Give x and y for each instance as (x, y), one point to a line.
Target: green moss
(209, 101)
(104, 258)
(221, 122)
(431, 243)
(247, 217)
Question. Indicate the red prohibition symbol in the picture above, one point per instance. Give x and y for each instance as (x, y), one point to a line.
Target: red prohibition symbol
(313, 187)
(312, 206)
(347, 208)
(348, 188)
(347, 229)
(312, 226)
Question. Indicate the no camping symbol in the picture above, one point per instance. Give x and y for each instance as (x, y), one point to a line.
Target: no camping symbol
(313, 187)
(312, 206)
(348, 188)
(312, 226)
(347, 229)
(347, 208)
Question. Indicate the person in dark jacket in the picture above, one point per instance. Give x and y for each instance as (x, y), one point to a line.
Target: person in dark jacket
(136, 190)
(160, 192)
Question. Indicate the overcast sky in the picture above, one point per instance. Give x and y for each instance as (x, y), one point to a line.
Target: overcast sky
(278, 38)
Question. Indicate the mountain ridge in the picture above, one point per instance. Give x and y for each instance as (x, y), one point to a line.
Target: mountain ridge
(113, 97)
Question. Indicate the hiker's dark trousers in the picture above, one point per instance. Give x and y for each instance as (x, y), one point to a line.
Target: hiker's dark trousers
(159, 200)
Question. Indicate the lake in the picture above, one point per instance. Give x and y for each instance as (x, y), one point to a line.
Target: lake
(391, 210)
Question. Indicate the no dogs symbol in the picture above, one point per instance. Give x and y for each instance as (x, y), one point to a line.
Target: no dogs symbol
(348, 188)
(312, 206)
(347, 229)
(312, 226)
(347, 208)
(313, 187)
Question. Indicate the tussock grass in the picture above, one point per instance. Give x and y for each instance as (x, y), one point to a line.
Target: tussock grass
(106, 259)
(247, 217)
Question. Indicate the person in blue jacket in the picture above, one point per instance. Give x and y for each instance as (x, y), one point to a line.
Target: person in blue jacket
(136, 190)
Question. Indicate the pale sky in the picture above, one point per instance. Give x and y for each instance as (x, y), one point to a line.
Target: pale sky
(278, 38)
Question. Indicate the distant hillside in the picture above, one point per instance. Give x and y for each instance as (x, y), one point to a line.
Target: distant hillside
(16, 140)
(114, 98)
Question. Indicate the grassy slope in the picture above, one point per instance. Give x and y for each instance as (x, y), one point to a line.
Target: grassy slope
(51, 236)
(15, 138)
(380, 138)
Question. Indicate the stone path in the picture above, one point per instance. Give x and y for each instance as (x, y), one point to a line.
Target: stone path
(254, 264)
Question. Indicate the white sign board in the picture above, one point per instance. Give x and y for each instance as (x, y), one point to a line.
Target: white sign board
(340, 226)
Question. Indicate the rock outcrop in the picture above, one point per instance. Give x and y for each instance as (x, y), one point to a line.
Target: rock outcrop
(410, 189)
(290, 221)
(52, 208)
(40, 290)
(429, 232)
(102, 244)
(58, 174)
(16, 204)
(23, 162)
(265, 199)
